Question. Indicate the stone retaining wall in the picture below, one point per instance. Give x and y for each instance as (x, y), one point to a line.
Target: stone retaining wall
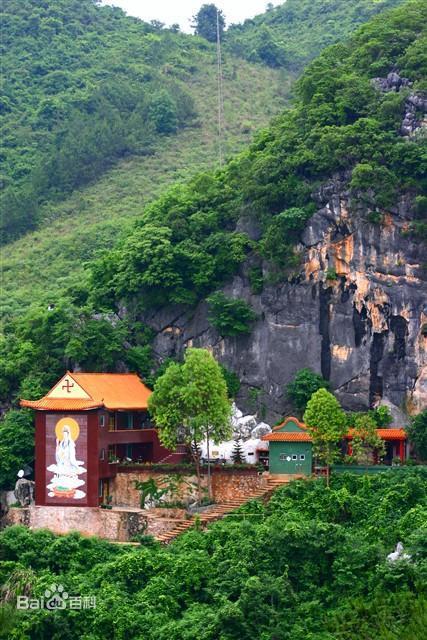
(120, 525)
(226, 485)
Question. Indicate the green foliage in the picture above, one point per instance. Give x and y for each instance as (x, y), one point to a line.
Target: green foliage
(309, 564)
(207, 20)
(238, 455)
(377, 184)
(191, 399)
(327, 425)
(87, 91)
(331, 273)
(230, 316)
(304, 384)
(293, 33)
(282, 233)
(190, 403)
(231, 380)
(366, 442)
(188, 240)
(417, 434)
(16, 445)
(256, 280)
(381, 416)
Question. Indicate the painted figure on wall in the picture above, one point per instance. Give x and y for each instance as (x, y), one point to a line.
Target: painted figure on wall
(66, 482)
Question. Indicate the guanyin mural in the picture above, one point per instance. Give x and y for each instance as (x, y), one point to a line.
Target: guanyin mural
(66, 482)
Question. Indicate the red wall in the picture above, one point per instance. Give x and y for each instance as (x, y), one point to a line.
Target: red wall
(86, 450)
(93, 439)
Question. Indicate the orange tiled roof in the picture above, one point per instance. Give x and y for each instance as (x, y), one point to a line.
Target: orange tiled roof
(384, 434)
(60, 404)
(110, 390)
(287, 436)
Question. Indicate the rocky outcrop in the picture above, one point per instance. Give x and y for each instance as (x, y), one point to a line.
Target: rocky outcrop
(355, 312)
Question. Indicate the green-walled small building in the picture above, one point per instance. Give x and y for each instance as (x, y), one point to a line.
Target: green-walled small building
(290, 448)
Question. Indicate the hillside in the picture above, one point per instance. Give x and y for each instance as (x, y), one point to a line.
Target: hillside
(296, 31)
(317, 234)
(309, 565)
(343, 142)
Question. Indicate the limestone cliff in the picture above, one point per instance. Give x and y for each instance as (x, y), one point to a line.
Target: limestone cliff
(355, 310)
(365, 330)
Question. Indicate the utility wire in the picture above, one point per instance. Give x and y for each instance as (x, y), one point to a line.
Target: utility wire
(220, 92)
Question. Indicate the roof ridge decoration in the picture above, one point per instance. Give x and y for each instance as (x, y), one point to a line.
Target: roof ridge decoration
(300, 424)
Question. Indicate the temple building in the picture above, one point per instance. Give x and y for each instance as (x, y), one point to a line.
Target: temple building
(86, 426)
(290, 447)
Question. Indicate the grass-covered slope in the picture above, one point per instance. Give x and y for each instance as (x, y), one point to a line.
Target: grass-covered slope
(83, 86)
(41, 265)
(295, 32)
(311, 565)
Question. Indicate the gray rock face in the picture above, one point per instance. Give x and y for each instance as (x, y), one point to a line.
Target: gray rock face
(365, 331)
(24, 492)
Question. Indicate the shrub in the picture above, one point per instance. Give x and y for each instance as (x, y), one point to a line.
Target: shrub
(230, 316)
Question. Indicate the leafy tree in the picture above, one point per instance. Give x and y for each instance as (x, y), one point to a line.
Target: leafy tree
(206, 21)
(238, 455)
(381, 416)
(417, 434)
(305, 383)
(162, 111)
(366, 442)
(16, 445)
(327, 425)
(230, 316)
(190, 403)
(282, 233)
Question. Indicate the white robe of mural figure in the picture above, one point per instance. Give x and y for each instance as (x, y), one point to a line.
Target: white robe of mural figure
(65, 481)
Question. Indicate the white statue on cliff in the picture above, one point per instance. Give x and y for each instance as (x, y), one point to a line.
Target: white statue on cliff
(65, 481)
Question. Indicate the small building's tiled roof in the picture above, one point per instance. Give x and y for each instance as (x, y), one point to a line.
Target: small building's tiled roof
(304, 436)
(114, 391)
(384, 434)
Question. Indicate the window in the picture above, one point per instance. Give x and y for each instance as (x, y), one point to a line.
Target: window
(100, 488)
(302, 456)
(129, 421)
(102, 454)
(102, 420)
(282, 457)
(294, 456)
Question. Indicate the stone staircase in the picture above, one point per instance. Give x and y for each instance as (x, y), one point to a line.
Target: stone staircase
(221, 510)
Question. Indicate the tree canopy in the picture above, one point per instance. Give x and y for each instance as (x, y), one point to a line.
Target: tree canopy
(309, 564)
(207, 21)
(327, 425)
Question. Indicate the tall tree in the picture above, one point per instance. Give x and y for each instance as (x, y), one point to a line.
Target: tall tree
(206, 20)
(327, 425)
(305, 383)
(417, 433)
(190, 404)
(366, 441)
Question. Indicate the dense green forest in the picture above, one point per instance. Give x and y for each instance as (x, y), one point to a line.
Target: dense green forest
(185, 244)
(293, 33)
(310, 565)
